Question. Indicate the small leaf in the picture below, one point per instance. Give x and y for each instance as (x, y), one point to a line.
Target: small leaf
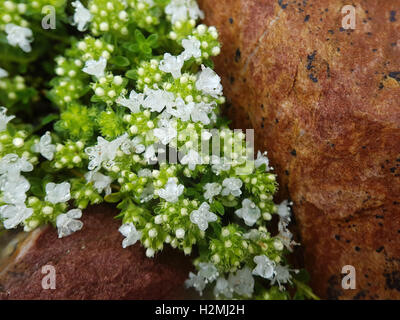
(218, 207)
(113, 197)
(120, 61)
(131, 74)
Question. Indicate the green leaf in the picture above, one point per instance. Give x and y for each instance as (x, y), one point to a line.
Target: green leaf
(131, 74)
(113, 197)
(218, 207)
(120, 61)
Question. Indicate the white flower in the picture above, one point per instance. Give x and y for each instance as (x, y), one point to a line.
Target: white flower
(150, 154)
(68, 223)
(249, 212)
(104, 152)
(262, 159)
(242, 282)
(44, 146)
(100, 181)
(200, 113)
(180, 10)
(192, 48)
(133, 103)
(82, 16)
(4, 119)
(284, 219)
(209, 82)
(14, 215)
(265, 267)
(12, 165)
(157, 100)
(219, 164)
(191, 159)
(232, 186)
(144, 173)
(282, 275)
(212, 190)
(222, 287)
(208, 271)
(203, 216)
(128, 230)
(133, 145)
(182, 111)
(95, 67)
(3, 73)
(14, 190)
(56, 193)
(172, 191)
(147, 194)
(166, 131)
(172, 64)
(196, 281)
(19, 36)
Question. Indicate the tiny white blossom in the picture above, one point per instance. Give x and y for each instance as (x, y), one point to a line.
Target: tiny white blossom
(249, 212)
(200, 113)
(3, 73)
(181, 10)
(191, 159)
(14, 214)
(242, 282)
(192, 48)
(282, 275)
(166, 131)
(19, 36)
(4, 119)
(172, 64)
(232, 186)
(197, 282)
(56, 193)
(14, 190)
(104, 152)
(150, 154)
(128, 230)
(133, 103)
(68, 223)
(208, 271)
(100, 181)
(82, 16)
(265, 267)
(44, 146)
(95, 67)
(209, 82)
(203, 216)
(223, 288)
(171, 191)
(12, 165)
(262, 159)
(212, 190)
(182, 110)
(157, 100)
(219, 164)
(284, 219)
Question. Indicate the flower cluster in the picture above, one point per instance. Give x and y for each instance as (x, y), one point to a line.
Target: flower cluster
(137, 121)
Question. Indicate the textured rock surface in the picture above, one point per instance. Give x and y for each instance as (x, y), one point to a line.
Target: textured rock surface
(91, 264)
(325, 103)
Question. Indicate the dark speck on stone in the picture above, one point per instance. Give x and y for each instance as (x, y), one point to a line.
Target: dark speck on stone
(307, 18)
(282, 5)
(357, 248)
(314, 79)
(237, 55)
(231, 20)
(379, 249)
(392, 16)
(392, 170)
(395, 75)
(293, 153)
(337, 237)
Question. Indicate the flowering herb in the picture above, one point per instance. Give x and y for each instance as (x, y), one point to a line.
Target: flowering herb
(131, 81)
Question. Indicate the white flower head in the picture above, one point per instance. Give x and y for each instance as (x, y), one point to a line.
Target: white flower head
(56, 193)
(68, 223)
(171, 191)
(232, 186)
(157, 100)
(172, 64)
(133, 103)
(197, 282)
(219, 164)
(265, 267)
(82, 16)
(4, 119)
(182, 110)
(166, 131)
(192, 48)
(14, 190)
(208, 271)
(95, 67)
(249, 212)
(242, 282)
(100, 181)
(128, 230)
(150, 154)
(203, 216)
(3, 73)
(12, 165)
(262, 159)
(209, 82)
(191, 159)
(201, 111)
(13, 215)
(44, 147)
(223, 288)
(181, 10)
(104, 152)
(282, 275)
(211, 190)
(19, 36)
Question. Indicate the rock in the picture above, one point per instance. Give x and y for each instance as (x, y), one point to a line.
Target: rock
(324, 102)
(91, 264)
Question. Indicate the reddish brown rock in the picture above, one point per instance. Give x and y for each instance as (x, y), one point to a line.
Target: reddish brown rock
(91, 264)
(325, 103)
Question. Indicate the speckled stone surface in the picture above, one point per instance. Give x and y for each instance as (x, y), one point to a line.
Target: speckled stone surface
(91, 264)
(325, 103)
